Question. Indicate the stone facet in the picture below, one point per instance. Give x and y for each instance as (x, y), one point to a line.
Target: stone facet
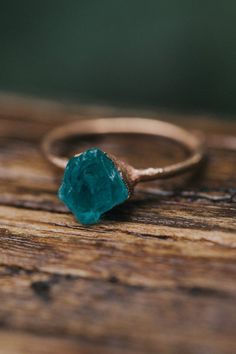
(92, 185)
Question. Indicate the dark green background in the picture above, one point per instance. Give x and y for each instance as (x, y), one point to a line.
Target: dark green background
(171, 54)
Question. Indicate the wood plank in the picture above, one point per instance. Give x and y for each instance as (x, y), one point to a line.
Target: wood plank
(156, 276)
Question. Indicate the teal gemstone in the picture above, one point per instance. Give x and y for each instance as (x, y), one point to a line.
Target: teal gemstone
(92, 185)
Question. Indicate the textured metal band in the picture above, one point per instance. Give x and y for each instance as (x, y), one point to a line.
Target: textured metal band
(129, 125)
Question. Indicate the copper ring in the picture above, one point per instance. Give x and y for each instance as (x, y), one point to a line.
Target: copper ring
(94, 181)
(193, 144)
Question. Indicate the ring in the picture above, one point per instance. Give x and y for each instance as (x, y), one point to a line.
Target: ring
(95, 181)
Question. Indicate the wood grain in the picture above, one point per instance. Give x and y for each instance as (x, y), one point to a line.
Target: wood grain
(156, 276)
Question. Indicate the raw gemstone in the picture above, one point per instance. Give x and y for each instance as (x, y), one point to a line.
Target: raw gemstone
(91, 186)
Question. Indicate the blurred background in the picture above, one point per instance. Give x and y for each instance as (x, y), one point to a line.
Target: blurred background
(175, 55)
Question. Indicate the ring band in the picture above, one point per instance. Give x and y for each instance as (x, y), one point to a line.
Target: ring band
(82, 197)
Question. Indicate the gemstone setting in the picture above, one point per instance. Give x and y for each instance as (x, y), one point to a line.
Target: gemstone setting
(92, 185)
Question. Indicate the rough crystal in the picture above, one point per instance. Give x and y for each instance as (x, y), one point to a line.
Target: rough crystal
(92, 185)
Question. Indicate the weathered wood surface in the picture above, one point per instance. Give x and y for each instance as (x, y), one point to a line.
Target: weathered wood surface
(158, 275)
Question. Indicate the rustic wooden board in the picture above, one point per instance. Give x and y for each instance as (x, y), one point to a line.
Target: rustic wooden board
(156, 276)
